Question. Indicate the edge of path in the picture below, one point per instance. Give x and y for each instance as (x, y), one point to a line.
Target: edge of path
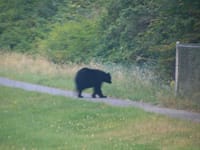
(179, 114)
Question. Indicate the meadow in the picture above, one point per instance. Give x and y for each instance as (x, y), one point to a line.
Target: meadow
(35, 121)
(129, 82)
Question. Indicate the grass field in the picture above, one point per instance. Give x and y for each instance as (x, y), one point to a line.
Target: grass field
(35, 121)
(128, 83)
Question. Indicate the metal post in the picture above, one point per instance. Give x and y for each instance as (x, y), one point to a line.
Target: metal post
(177, 70)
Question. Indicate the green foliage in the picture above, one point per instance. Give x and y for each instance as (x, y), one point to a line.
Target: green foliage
(121, 31)
(146, 31)
(71, 41)
(23, 21)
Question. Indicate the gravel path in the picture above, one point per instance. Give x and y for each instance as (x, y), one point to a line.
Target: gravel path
(180, 114)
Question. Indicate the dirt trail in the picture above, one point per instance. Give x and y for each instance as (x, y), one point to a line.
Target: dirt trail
(180, 114)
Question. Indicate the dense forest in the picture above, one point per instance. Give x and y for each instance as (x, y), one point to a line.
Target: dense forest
(140, 32)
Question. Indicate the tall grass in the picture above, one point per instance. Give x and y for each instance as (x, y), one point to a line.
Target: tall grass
(129, 82)
(133, 83)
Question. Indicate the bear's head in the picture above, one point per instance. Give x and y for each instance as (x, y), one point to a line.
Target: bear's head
(107, 78)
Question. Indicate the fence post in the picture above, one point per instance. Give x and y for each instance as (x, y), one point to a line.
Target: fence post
(177, 69)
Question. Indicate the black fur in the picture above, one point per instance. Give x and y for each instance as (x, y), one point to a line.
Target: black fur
(91, 78)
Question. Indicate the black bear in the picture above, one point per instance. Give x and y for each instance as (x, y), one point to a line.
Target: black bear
(91, 78)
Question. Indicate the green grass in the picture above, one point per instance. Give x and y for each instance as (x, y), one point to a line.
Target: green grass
(31, 120)
(59, 81)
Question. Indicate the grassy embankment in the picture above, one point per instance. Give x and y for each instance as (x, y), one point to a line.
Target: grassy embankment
(128, 83)
(31, 120)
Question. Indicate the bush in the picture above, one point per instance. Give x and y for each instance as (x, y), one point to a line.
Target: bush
(72, 41)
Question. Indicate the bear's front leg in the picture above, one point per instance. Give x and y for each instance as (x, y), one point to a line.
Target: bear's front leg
(97, 90)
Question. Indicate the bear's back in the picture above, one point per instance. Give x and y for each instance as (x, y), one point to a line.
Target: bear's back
(89, 75)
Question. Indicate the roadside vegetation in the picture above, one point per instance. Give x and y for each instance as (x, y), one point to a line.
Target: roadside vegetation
(129, 82)
(31, 120)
